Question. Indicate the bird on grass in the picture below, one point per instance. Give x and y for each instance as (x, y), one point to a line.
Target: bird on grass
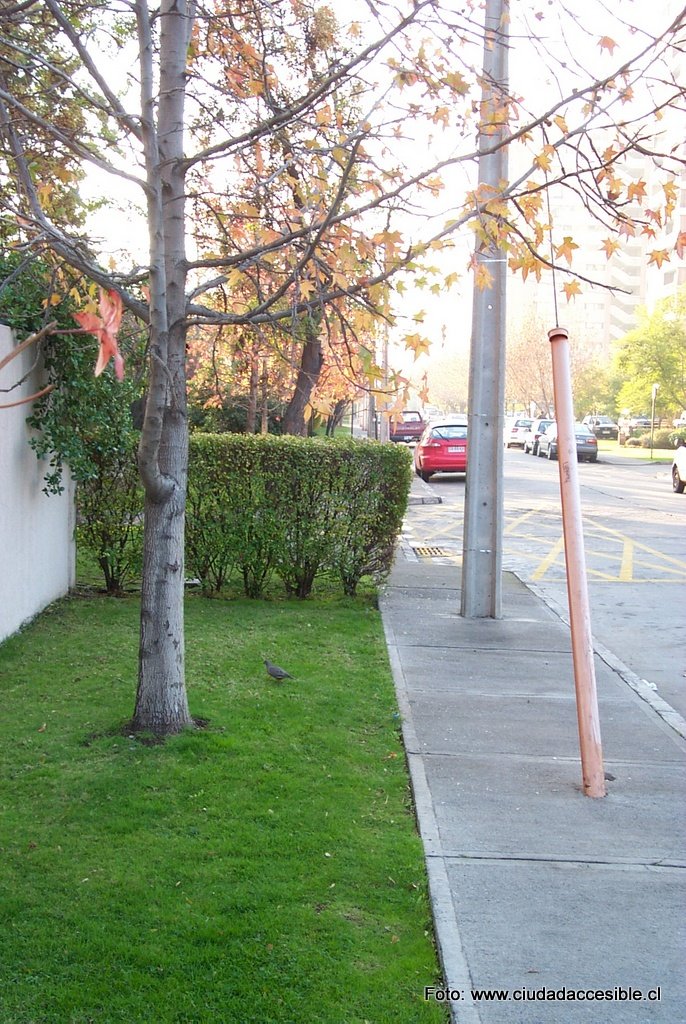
(276, 672)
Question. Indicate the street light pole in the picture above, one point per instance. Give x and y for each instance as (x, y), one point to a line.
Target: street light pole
(483, 518)
(652, 418)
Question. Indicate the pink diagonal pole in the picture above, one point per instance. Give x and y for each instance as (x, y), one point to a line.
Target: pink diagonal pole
(577, 584)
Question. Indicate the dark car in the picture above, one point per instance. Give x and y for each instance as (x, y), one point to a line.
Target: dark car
(586, 443)
(533, 434)
(602, 426)
(409, 427)
(442, 449)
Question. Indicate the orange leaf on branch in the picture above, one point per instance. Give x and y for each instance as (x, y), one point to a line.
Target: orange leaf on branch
(566, 248)
(658, 257)
(105, 327)
(610, 246)
(571, 289)
(605, 43)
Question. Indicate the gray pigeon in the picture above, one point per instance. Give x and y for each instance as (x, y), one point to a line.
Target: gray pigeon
(275, 672)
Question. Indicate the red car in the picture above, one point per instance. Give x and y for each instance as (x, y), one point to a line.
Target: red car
(442, 449)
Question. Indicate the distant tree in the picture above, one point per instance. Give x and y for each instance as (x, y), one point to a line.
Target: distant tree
(529, 378)
(655, 353)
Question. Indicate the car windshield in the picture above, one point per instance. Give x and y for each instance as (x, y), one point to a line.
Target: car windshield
(449, 432)
(411, 417)
(603, 419)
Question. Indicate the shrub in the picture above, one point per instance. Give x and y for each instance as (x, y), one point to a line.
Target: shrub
(374, 481)
(660, 439)
(295, 507)
(677, 437)
(230, 516)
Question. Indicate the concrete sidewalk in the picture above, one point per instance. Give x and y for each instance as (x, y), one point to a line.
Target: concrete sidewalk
(537, 889)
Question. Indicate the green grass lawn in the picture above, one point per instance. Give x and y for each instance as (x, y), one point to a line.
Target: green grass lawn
(263, 869)
(606, 447)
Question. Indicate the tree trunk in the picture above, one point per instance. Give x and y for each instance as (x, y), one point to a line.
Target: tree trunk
(310, 367)
(336, 417)
(161, 702)
(251, 415)
(264, 421)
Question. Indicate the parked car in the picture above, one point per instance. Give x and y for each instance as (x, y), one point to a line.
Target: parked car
(602, 426)
(442, 449)
(515, 431)
(586, 443)
(409, 427)
(639, 423)
(532, 435)
(679, 470)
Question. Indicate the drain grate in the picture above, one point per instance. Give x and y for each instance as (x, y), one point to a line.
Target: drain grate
(431, 552)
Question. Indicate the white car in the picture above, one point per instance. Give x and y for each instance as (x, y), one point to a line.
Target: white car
(679, 470)
(533, 434)
(515, 431)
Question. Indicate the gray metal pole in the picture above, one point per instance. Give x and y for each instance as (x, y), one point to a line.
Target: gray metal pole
(483, 520)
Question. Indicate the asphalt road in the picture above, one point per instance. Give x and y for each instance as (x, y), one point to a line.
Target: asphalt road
(635, 542)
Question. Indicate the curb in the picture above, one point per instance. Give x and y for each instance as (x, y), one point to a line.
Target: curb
(446, 928)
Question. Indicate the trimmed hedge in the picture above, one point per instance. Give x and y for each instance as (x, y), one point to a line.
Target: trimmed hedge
(294, 507)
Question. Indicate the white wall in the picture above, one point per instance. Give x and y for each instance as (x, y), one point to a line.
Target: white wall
(37, 549)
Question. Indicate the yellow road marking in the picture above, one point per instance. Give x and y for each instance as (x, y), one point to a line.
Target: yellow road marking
(626, 569)
(549, 559)
(642, 547)
(522, 519)
(631, 558)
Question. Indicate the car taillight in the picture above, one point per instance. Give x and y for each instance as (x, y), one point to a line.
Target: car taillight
(432, 444)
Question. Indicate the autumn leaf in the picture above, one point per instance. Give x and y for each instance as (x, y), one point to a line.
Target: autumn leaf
(680, 244)
(305, 288)
(636, 190)
(610, 246)
(105, 327)
(571, 289)
(605, 43)
(44, 193)
(627, 229)
(417, 344)
(544, 159)
(658, 257)
(566, 249)
(457, 83)
(670, 190)
(483, 278)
